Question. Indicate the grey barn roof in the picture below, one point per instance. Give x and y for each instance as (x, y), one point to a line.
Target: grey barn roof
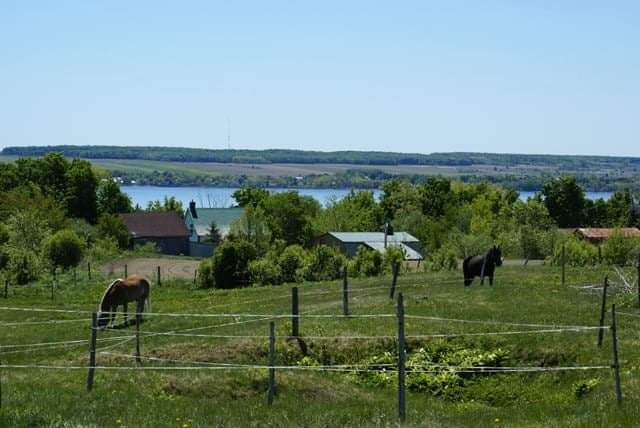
(353, 237)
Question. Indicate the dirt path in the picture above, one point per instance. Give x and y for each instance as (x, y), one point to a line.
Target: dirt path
(169, 268)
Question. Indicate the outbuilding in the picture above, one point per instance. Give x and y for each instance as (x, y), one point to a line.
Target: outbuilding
(596, 235)
(348, 242)
(165, 229)
(198, 221)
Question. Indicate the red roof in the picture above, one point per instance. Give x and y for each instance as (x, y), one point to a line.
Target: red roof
(604, 233)
(155, 225)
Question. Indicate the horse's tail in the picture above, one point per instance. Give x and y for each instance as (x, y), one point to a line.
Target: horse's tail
(147, 294)
(465, 265)
(465, 271)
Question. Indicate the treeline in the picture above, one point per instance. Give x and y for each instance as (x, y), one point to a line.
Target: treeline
(317, 157)
(366, 179)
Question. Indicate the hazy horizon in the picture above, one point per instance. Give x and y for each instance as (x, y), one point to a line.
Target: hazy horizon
(496, 77)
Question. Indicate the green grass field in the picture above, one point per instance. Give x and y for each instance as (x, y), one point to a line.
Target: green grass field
(237, 397)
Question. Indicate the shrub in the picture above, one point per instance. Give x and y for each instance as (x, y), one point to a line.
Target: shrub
(291, 262)
(103, 249)
(204, 276)
(111, 225)
(367, 262)
(325, 263)
(265, 272)
(63, 249)
(443, 259)
(24, 265)
(577, 253)
(469, 245)
(619, 250)
(230, 264)
(393, 255)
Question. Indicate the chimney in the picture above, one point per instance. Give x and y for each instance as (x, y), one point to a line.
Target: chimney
(192, 208)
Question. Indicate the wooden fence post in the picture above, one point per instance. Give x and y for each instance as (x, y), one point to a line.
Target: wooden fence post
(603, 312)
(272, 362)
(92, 351)
(126, 271)
(401, 357)
(614, 348)
(52, 286)
(295, 313)
(599, 254)
(562, 261)
(159, 279)
(89, 270)
(395, 267)
(138, 359)
(345, 293)
(6, 288)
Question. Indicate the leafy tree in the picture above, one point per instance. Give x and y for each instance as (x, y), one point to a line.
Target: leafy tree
(398, 195)
(27, 229)
(596, 213)
(63, 249)
(356, 212)
(50, 173)
(111, 199)
(621, 210)
(29, 198)
(435, 196)
(112, 226)
(565, 201)
(250, 196)
(289, 217)
(81, 191)
(167, 205)
(252, 227)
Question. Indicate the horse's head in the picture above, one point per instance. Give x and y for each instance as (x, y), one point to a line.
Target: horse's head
(496, 255)
(103, 319)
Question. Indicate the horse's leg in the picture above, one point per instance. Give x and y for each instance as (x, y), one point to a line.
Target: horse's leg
(491, 279)
(126, 316)
(113, 310)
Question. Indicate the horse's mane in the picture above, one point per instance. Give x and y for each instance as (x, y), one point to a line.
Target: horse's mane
(106, 292)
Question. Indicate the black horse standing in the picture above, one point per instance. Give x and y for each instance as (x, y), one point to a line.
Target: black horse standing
(482, 266)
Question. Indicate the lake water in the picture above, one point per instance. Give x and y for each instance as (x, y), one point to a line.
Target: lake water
(221, 197)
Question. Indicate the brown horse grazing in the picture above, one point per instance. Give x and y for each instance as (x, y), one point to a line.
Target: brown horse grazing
(121, 292)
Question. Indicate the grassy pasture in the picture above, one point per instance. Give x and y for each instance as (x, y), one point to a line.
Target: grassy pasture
(207, 397)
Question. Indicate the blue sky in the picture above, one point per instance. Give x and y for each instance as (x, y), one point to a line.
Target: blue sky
(498, 76)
